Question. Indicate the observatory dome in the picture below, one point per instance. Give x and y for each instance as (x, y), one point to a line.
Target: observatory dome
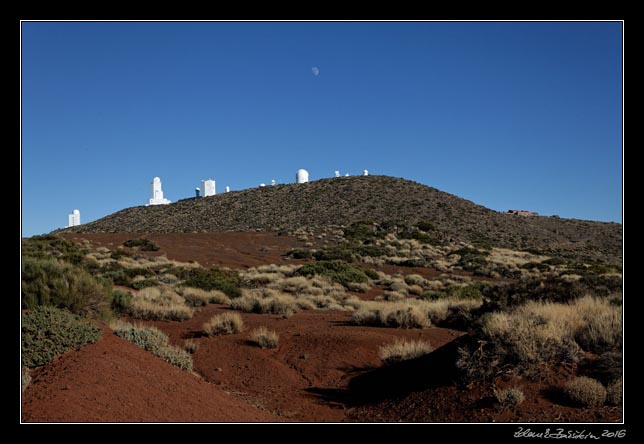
(302, 176)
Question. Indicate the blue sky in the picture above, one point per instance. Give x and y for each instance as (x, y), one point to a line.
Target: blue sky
(508, 115)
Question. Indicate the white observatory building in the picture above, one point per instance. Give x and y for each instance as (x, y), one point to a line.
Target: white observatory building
(73, 218)
(157, 194)
(208, 187)
(302, 176)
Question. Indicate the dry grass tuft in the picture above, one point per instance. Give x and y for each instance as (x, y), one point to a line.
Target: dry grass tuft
(585, 391)
(509, 398)
(264, 337)
(159, 304)
(197, 297)
(403, 350)
(224, 324)
(614, 393)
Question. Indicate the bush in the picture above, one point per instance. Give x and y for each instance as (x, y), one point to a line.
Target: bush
(224, 324)
(143, 283)
(602, 331)
(509, 398)
(50, 246)
(614, 393)
(299, 253)
(148, 338)
(264, 337)
(121, 300)
(153, 340)
(585, 391)
(25, 378)
(403, 350)
(425, 226)
(176, 356)
(396, 315)
(191, 346)
(214, 279)
(161, 305)
(50, 282)
(334, 254)
(196, 297)
(48, 331)
(338, 271)
(142, 244)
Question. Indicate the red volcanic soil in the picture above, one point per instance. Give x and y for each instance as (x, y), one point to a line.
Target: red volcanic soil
(307, 377)
(234, 250)
(116, 381)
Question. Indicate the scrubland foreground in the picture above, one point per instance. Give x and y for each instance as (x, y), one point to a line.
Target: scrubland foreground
(365, 323)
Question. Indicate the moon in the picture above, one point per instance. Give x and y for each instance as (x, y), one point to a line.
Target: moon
(316, 71)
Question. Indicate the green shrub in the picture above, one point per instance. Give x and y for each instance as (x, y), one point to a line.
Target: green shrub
(176, 356)
(418, 262)
(121, 300)
(371, 250)
(360, 231)
(119, 254)
(142, 244)
(371, 274)
(338, 271)
(333, 254)
(153, 340)
(299, 253)
(425, 226)
(144, 283)
(50, 282)
(585, 391)
(50, 246)
(148, 338)
(214, 279)
(48, 331)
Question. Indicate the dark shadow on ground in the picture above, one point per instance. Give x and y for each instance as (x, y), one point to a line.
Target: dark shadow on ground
(437, 369)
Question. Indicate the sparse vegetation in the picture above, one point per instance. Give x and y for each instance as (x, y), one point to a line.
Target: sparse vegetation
(151, 339)
(214, 279)
(509, 398)
(142, 244)
(25, 377)
(52, 282)
(404, 350)
(537, 333)
(159, 304)
(336, 270)
(224, 324)
(614, 393)
(48, 331)
(121, 300)
(586, 392)
(191, 346)
(264, 337)
(197, 297)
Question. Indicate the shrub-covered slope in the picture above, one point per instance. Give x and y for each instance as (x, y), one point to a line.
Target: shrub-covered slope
(345, 200)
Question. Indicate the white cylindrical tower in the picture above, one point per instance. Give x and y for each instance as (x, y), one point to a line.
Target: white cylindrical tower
(302, 176)
(76, 217)
(337, 174)
(227, 189)
(365, 173)
(157, 193)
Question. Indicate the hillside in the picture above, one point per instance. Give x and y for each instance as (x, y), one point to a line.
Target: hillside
(345, 200)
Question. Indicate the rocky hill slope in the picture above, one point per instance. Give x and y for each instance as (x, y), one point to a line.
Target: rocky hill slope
(345, 200)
